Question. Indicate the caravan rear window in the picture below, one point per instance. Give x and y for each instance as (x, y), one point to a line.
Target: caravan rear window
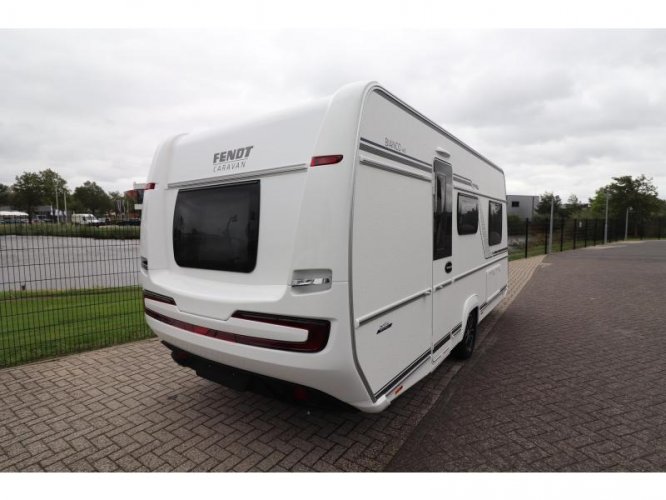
(217, 228)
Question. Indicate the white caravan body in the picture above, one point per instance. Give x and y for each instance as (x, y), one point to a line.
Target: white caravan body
(343, 246)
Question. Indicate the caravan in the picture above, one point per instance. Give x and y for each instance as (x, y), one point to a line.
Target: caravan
(347, 246)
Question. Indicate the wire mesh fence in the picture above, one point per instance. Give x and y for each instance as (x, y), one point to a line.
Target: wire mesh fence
(67, 288)
(531, 237)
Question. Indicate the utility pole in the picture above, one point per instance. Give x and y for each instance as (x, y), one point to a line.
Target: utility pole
(606, 223)
(56, 196)
(550, 238)
(626, 223)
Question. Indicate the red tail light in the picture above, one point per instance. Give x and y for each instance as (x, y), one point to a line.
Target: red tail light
(149, 185)
(318, 161)
(318, 331)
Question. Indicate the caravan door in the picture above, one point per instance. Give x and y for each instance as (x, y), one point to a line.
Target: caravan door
(392, 232)
(444, 317)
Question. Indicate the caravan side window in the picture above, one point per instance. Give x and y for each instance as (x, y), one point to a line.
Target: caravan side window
(494, 223)
(468, 214)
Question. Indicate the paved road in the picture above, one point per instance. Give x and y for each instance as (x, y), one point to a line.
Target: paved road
(59, 263)
(572, 377)
(132, 408)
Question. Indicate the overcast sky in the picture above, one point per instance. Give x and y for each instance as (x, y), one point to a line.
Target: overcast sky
(560, 111)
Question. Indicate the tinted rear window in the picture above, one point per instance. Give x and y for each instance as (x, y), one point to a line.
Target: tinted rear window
(217, 228)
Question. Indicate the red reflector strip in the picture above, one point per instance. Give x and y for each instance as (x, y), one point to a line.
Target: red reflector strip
(317, 161)
(318, 331)
(147, 294)
(149, 185)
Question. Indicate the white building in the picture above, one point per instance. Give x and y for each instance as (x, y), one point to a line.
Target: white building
(521, 205)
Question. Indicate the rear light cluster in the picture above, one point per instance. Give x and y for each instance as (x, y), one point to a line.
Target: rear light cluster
(318, 161)
(318, 331)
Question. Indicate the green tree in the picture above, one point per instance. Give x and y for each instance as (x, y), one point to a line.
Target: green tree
(117, 202)
(543, 208)
(5, 195)
(639, 194)
(573, 207)
(54, 185)
(29, 192)
(91, 198)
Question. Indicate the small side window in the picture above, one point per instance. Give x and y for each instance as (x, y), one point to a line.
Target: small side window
(515, 204)
(468, 214)
(494, 223)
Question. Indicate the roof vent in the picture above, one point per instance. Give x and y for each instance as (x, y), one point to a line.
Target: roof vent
(443, 152)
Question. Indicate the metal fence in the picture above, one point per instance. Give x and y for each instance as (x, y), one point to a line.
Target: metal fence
(67, 288)
(531, 237)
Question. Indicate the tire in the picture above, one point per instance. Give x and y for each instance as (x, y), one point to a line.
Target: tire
(465, 348)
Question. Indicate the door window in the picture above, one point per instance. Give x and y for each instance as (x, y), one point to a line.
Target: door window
(443, 210)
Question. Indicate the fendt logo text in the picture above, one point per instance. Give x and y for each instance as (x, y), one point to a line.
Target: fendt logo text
(231, 160)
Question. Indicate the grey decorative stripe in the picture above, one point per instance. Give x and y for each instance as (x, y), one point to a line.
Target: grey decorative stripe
(389, 168)
(415, 364)
(391, 307)
(492, 298)
(501, 250)
(215, 181)
(441, 342)
(390, 154)
(446, 337)
(402, 375)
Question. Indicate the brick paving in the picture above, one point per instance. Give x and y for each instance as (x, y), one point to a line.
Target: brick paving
(571, 379)
(131, 408)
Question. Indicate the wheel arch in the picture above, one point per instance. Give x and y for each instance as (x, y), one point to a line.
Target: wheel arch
(471, 304)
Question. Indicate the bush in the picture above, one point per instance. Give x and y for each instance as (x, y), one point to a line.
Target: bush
(71, 230)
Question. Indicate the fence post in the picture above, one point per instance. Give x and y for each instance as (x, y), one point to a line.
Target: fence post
(658, 229)
(575, 232)
(527, 233)
(585, 244)
(561, 234)
(545, 230)
(594, 234)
